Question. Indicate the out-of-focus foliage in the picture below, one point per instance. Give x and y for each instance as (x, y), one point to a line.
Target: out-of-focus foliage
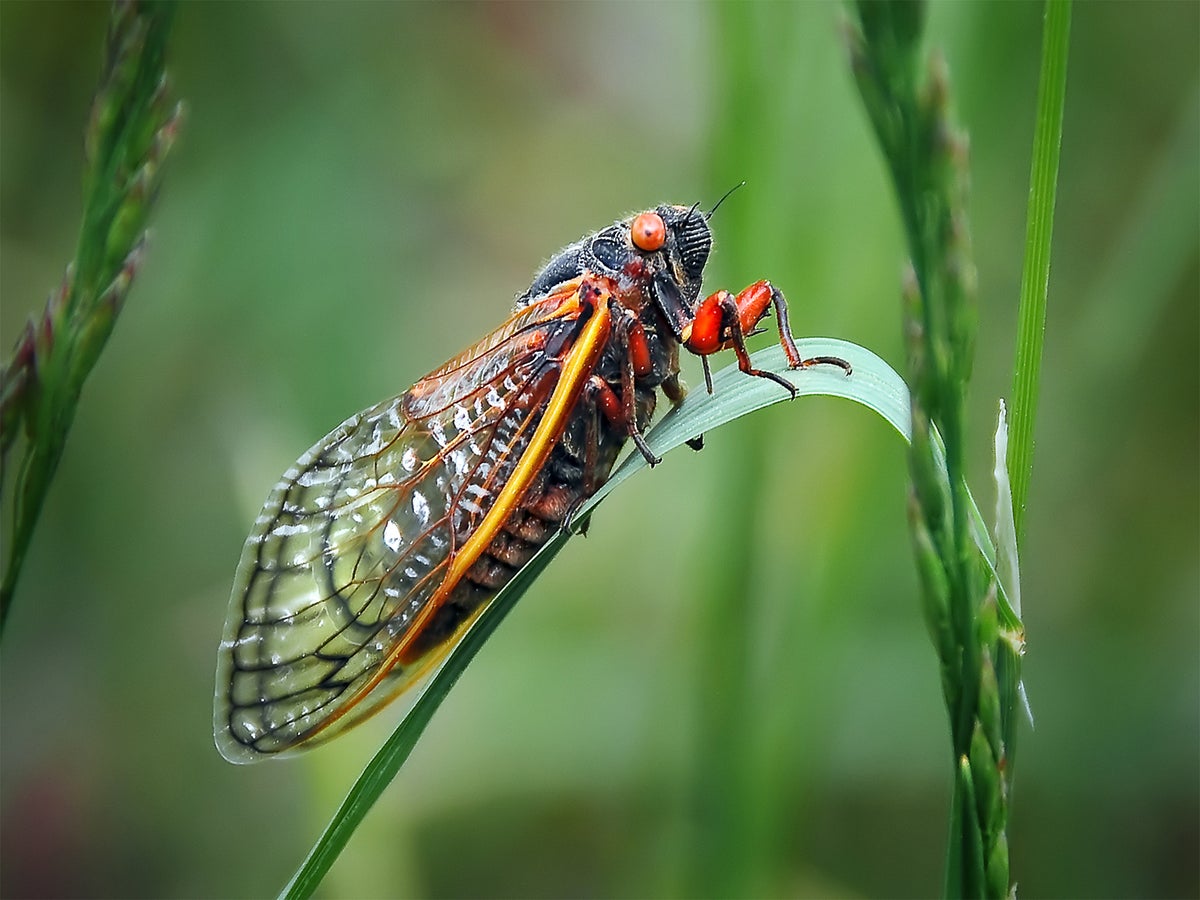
(362, 191)
(131, 128)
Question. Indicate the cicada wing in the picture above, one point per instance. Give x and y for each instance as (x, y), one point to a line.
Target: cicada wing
(358, 535)
(318, 598)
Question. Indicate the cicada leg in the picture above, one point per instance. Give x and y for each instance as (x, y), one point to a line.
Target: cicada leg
(620, 410)
(723, 320)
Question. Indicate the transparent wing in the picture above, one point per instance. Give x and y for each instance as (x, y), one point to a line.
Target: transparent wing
(359, 533)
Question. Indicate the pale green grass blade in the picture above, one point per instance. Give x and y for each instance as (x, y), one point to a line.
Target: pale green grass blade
(874, 384)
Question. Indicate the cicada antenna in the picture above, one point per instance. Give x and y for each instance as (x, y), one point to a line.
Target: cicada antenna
(724, 197)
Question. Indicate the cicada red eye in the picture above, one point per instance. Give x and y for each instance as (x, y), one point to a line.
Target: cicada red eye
(648, 232)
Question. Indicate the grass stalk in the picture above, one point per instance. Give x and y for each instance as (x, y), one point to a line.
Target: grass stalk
(977, 634)
(132, 127)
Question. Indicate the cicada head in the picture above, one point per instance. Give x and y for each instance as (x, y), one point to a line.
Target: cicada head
(660, 253)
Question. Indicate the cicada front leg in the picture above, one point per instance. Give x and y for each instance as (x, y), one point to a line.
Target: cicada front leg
(723, 320)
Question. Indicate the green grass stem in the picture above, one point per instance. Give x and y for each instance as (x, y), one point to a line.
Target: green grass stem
(132, 126)
(975, 628)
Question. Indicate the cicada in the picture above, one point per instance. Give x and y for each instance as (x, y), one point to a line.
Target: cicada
(380, 547)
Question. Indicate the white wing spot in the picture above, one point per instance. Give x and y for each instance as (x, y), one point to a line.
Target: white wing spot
(421, 507)
(438, 432)
(376, 441)
(391, 536)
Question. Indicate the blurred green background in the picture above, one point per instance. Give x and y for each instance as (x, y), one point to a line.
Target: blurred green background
(359, 192)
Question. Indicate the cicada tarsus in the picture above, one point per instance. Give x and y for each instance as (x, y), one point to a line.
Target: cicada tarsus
(382, 545)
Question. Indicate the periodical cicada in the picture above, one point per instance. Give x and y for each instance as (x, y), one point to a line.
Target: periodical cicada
(384, 542)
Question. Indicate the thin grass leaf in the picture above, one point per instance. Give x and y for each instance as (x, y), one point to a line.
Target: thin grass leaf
(874, 384)
(1035, 278)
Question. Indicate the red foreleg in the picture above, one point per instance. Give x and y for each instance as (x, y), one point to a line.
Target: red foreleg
(723, 320)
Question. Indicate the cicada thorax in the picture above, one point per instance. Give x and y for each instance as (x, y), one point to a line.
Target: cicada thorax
(579, 461)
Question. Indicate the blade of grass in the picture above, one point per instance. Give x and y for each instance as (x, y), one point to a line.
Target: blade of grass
(1035, 282)
(874, 384)
(1035, 279)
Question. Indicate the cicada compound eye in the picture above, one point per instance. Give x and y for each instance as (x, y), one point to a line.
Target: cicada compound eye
(648, 231)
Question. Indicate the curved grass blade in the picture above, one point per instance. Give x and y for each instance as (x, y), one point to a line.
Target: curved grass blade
(874, 384)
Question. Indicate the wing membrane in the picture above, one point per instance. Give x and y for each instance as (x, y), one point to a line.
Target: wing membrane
(359, 533)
